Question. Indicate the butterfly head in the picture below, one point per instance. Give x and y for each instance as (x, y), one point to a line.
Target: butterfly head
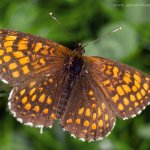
(79, 49)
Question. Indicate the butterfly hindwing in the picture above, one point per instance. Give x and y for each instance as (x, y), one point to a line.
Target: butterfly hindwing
(88, 115)
(36, 103)
(127, 89)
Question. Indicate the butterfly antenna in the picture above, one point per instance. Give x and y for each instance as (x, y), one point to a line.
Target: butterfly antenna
(112, 31)
(61, 25)
(51, 14)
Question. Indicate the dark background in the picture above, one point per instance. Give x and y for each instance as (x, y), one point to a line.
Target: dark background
(85, 21)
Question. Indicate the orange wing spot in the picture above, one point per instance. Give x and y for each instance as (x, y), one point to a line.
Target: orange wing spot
(24, 60)
(81, 110)
(12, 66)
(6, 58)
(137, 78)
(22, 47)
(36, 108)
(33, 98)
(136, 104)
(91, 93)
(16, 97)
(141, 101)
(18, 54)
(103, 106)
(120, 90)
(53, 116)
(110, 88)
(15, 74)
(45, 83)
(22, 92)
(87, 112)
(94, 116)
(25, 69)
(52, 50)
(45, 50)
(42, 98)
(130, 109)
(85, 131)
(132, 97)
(1, 62)
(107, 125)
(115, 72)
(8, 43)
(40, 89)
(146, 86)
(86, 123)
(78, 121)
(126, 101)
(134, 88)
(38, 46)
(92, 98)
(139, 96)
(108, 72)
(106, 82)
(24, 99)
(93, 105)
(126, 78)
(99, 112)
(28, 106)
(69, 121)
(32, 83)
(106, 117)
(100, 123)
(42, 61)
(10, 38)
(137, 84)
(45, 111)
(32, 91)
(4, 70)
(23, 41)
(51, 80)
(115, 98)
(126, 88)
(1, 52)
(103, 68)
(18, 107)
(9, 49)
(109, 67)
(143, 92)
(120, 107)
(49, 101)
(94, 126)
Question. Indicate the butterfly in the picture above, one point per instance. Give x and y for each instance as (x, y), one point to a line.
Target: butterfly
(52, 82)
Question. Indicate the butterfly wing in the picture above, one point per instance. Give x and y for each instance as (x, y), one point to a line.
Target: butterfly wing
(36, 103)
(24, 56)
(88, 115)
(127, 89)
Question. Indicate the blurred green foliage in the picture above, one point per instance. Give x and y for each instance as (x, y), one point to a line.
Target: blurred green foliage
(85, 21)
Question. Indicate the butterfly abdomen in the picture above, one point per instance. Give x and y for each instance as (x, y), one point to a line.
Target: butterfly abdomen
(73, 69)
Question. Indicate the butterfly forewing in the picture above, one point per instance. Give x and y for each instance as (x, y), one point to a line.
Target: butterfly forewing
(24, 56)
(88, 115)
(127, 89)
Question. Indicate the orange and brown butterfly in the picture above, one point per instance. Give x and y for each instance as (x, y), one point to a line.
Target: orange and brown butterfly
(52, 82)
